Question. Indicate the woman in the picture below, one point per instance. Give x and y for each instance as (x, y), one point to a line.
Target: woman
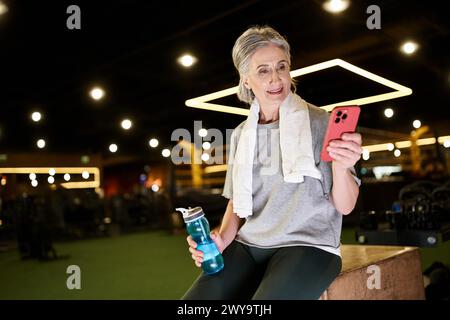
(280, 234)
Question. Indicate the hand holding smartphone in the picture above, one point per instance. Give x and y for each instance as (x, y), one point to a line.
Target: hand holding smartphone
(343, 119)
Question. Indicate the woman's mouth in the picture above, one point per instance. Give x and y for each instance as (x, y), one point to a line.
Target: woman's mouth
(276, 91)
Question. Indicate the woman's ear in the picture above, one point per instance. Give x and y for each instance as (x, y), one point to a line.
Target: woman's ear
(245, 82)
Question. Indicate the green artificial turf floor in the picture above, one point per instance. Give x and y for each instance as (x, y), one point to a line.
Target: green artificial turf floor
(145, 265)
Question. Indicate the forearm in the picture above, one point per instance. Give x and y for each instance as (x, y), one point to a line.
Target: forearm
(230, 224)
(345, 191)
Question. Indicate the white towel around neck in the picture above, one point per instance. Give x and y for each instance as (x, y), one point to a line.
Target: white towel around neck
(296, 151)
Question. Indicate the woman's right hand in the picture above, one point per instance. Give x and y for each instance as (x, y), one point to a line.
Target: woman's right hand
(197, 255)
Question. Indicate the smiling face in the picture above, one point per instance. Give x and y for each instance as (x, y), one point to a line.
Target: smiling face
(268, 75)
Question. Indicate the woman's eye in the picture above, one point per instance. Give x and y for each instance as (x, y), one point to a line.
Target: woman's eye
(282, 67)
(263, 71)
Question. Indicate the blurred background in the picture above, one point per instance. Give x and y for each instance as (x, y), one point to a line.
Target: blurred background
(87, 114)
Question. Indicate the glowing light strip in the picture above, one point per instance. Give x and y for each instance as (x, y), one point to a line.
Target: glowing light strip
(61, 170)
(442, 139)
(403, 144)
(406, 144)
(400, 91)
(81, 185)
(370, 148)
(426, 141)
(376, 147)
(216, 168)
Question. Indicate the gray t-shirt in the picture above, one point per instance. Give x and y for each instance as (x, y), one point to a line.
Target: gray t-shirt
(285, 214)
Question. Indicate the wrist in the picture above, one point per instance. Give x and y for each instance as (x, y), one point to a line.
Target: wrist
(338, 169)
(225, 239)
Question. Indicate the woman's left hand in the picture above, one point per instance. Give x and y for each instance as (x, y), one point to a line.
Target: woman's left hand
(346, 151)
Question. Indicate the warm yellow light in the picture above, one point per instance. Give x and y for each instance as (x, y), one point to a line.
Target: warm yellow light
(32, 176)
(447, 143)
(377, 147)
(3, 181)
(403, 144)
(442, 139)
(34, 183)
(126, 124)
(52, 171)
(155, 188)
(409, 47)
(3, 8)
(40, 143)
(187, 60)
(97, 93)
(165, 153)
(81, 185)
(113, 147)
(67, 177)
(153, 143)
(407, 143)
(336, 6)
(388, 112)
(202, 132)
(397, 153)
(85, 175)
(400, 91)
(417, 124)
(51, 179)
(426, 141)
(36, 116)
(73, 170)
(206, 145)
(216, 168)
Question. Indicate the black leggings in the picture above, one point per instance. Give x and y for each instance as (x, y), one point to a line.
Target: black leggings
(299, 272)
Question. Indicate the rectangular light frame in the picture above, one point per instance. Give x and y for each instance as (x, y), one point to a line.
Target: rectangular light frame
(203, 102)
(61, 170)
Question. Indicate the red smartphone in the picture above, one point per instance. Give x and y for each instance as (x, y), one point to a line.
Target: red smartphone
(342, 119)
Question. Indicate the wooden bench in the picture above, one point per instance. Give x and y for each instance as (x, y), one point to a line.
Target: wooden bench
(399, 270)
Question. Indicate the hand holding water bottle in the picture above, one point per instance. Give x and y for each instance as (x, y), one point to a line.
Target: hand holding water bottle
(197, 255)
(206, 247)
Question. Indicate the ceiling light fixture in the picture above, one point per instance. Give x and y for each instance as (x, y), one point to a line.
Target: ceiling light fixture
(202, 102)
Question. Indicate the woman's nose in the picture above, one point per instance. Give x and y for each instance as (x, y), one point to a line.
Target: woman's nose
(275, 77)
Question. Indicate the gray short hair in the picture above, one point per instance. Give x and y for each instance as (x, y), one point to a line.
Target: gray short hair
(246, 45)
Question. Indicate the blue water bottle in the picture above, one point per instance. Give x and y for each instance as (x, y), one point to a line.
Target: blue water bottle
(198, 227)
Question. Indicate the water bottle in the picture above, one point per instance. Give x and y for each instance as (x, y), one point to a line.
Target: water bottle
(198, 227)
